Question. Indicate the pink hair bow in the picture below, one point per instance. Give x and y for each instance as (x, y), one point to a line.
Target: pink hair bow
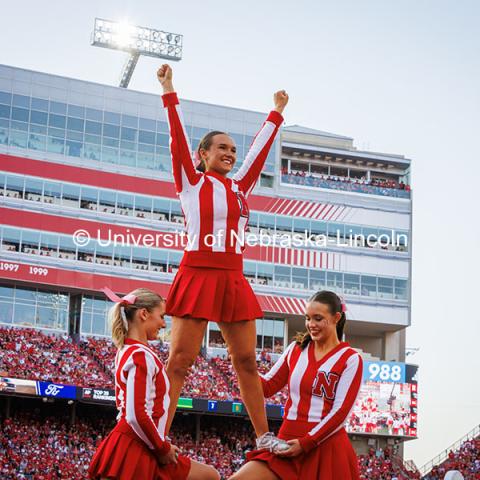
(196, 159)
(344, 307)
(128, 299)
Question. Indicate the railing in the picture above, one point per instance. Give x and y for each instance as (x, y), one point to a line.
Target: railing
(349, 186)
(440, 458)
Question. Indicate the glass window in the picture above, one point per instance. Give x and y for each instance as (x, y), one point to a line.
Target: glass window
(71, 195)
(89, 198)
(25, 295)
(21, 101)
(6, 312)
(299, 278)
(125, 204)
(113, 118)
(319, 227)
(351, 284)
(16, 125)
(147, 124)
(317, 279)
(15, 185)
(46, 317)
(162, 127)
(18, 139)
(145, 160)
(110, 142)
(38, 117)
(93, 114)
(336, 230)
(129, 134)
(33, 186)
(158, 260)
(5, 98)
(161, 209)
(369, 285)
(52, 192)
(30, 241)
(282, 276)
(266, 221)
(93, 128)
(130, 121)
(74, 149)
(76, 111)
(107, 201)
(385, 287)
(57, 121)
(57, 133)
(127, 157)
(20, 114)
(75, 124)
(111, 131)
(24, 314)
(41, 129)
(335, 281)
(110, 155)
(5, 111)
(3, 135)
(301, 225)
(162, 139)
(92, 152)
(37, 142)
(284, 224)
(55, 145)
(143, 206)
(146, 137)
(401, 289)
(58, 107)
(40, 104)
(122, 255)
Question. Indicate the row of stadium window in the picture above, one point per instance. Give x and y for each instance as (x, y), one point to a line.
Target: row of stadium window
(46, 310)
(169, 210)
(60, 246)
(40, 124)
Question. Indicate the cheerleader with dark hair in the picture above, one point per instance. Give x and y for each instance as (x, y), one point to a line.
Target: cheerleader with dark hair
(324, 375)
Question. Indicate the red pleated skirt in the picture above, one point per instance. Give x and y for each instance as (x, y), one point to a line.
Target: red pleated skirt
(214, 294)
(333, 459)
(123, 456)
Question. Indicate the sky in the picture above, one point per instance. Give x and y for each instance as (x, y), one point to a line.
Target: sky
(398, 76)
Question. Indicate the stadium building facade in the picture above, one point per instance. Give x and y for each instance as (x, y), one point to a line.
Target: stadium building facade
(87, 200)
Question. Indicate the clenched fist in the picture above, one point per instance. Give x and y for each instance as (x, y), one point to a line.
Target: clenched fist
(280, 99)
(164, 75)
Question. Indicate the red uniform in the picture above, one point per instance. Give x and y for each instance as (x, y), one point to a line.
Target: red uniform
(321, 396)
(131, 450)
(216, 215)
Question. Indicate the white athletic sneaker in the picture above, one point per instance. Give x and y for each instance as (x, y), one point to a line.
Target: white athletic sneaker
(268, 441)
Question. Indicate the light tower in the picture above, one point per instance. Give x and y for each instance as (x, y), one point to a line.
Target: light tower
(136, 41)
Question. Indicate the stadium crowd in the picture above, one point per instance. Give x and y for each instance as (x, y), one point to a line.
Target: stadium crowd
(337, 182)
(31, 354)
(466, 460)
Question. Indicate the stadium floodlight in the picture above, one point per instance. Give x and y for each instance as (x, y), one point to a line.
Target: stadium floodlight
(136, 41)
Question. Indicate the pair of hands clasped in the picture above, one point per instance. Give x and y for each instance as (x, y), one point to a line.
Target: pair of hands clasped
(165, 74)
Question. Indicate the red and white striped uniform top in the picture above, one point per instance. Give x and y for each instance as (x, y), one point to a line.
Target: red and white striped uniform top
(321, 392)
(214, 205)
(141, 392)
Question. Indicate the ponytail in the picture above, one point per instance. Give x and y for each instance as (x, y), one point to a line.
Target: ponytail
(143, 298)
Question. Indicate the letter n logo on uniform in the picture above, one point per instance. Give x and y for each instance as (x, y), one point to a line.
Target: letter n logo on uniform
(325, 385)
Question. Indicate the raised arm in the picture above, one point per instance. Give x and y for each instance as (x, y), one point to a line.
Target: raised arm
(277, 377)
(249, 172)
(346, 394)
(184, 172)
(139, 370)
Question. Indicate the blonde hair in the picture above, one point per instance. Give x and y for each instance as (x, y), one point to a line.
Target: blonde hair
(145, 299)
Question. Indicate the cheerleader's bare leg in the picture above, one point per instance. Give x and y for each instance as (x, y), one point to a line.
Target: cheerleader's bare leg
(241, 339)
(256, 470)
(200, 471)
(185, 342)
